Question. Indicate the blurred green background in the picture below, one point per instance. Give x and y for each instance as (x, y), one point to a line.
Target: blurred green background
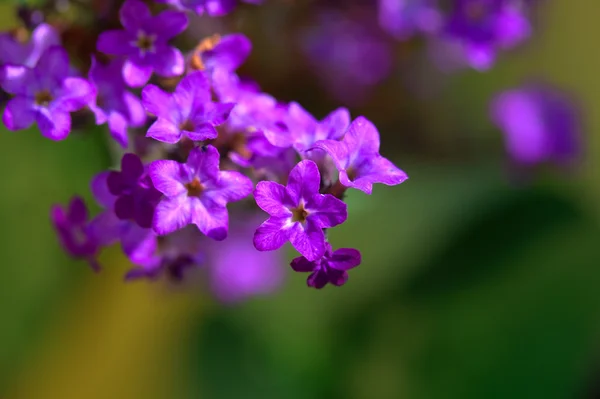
(470, 287)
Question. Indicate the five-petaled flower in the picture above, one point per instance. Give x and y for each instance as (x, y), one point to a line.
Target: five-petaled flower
(358, 160)
(299, 213)
(331, 268)
(196, 192)
(187, 112)
(44, 94)
(145, 42)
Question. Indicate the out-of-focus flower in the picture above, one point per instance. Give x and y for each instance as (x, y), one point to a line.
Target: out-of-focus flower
(214, 8)
(341, 50)
(144, 42)
(114, 104)
(237, 270)
(405, 18)
(27, 52)
(540, 124)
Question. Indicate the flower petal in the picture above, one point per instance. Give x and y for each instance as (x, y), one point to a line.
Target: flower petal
(76, 93)
(117, 126)
(53, 63)
(309, 240)
(165, 131)
(133, 14)
(232, 186)
(377, 169)
(212, 221)
(55, 125)
(304, 181)
(194, 89)
(334, 126)
(169, 177)
(159, 103)
(105, 228)
(214, 113)
(344, 259)
(100, 191)
(19, 113)
(137, 115)
(16, 79)
(272, 234)
(115, 42)
(169, 63)
(229, 54)
(201, 132)
(337, 150)
(136, 75)
(169, 23)
(302, 265)
(318, 279)
(139, 244)
(327, 211)
(273, 198)
(204, 163)
(172, 214)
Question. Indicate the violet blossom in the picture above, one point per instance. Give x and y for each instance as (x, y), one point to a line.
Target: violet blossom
(44, 94)
(16, 52)
(332, 268)
(405, 18)
(187, 112)
(298, 212)
(213, 8)
(144, 43)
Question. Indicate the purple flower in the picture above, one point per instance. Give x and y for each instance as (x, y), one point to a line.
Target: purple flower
(136, 196)
(74, 232)
(44, 94)
(196, 192)
(187, 112)
(114, 103)
(237, 270)
(539, 124)
(15, 52)
(342, 50)
(226, 53)
(213, 8)
(303, 130)
(298, 212)
(484, 26)
(331, 268)
(139, 244)
(145, 43)
(358, 160)
(404, 18)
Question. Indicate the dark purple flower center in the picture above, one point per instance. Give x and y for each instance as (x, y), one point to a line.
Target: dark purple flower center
(145, 42)
(194, 188)
(43, 98)
(299, 214)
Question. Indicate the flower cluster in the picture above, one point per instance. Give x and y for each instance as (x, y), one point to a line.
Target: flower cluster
(218, 154)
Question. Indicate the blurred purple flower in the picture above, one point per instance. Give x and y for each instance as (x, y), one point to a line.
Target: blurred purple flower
(15, 52)
(114, 103)
(237, 270)
(214, 8)
(145, 43)
(227, 53)
(539, 124)
(44, 94)
(71, 225)
(332, 268)
(482, 27)
(405, 18)
(342, 50)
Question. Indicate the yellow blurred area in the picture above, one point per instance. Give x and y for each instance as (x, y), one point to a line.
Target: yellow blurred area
(116, 340)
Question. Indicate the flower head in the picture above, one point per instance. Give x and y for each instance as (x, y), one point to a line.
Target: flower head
(485, 26)
(44, 94)
(298, 212)
(114, 104)
(196, 192)
(539, 124)
(358, 160)
(226, 53)
(332, 268)
(144, 42)
(187, 112)
(74, 232)
(404, 18)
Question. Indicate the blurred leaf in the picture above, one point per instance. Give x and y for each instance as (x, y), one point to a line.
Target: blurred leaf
(508, 309)
(36, 275)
